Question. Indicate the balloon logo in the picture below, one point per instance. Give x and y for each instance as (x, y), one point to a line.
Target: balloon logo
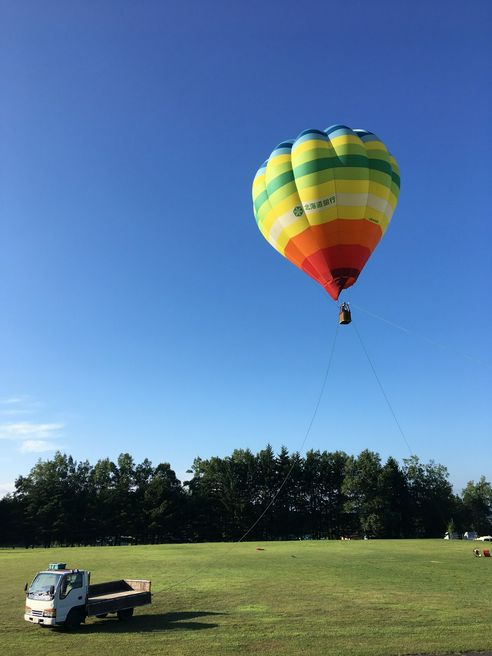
(325, 199)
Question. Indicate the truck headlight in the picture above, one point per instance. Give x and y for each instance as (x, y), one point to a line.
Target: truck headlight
(49, 612)
(27, 610)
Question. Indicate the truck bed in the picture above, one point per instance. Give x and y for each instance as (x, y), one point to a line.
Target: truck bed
(116, 595)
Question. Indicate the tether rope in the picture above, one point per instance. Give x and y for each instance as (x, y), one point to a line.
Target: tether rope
(289, 472)
(435, 504)
(386, 398)
(441, 345)
(286, 478)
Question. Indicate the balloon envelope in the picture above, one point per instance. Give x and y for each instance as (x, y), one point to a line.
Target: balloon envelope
(325, 199)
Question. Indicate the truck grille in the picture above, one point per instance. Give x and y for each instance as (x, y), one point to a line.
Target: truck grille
(37, 613)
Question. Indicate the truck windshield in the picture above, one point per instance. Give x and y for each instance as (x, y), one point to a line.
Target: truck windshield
(40, 587)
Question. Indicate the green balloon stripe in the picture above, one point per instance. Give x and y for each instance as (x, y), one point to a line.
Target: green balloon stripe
(260, 199)
(280, 181)
(342, 162)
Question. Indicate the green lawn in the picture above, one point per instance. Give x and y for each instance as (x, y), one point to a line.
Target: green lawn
(360, 597)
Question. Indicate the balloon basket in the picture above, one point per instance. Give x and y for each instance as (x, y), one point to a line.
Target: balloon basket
(344, 316)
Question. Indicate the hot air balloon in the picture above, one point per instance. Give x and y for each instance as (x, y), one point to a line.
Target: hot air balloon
(325, 199)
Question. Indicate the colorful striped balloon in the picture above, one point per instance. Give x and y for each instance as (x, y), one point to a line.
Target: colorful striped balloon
(325, 200)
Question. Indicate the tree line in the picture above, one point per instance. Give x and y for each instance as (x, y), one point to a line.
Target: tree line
(244, 495)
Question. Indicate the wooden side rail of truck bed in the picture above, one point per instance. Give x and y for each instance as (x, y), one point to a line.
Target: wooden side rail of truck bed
(115, 595)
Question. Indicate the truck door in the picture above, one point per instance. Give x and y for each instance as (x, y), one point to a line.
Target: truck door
(71, 593)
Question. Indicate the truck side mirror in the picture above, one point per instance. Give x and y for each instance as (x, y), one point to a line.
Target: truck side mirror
(52, 590)
(25, 588)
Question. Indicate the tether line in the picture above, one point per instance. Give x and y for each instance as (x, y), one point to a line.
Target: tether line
(382, 388)
(441, 345)
(289, 472)
(287, 476)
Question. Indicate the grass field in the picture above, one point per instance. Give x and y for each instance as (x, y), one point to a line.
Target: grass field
(318, 598)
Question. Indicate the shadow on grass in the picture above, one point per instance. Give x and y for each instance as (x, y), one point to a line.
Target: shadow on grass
(150, 623)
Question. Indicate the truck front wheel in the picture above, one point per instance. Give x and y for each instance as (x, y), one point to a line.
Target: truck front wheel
(74, 618)
(125, 615)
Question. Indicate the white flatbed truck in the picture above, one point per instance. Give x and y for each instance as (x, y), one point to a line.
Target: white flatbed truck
(65, 597)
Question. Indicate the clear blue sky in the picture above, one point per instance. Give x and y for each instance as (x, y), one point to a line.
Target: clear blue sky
(141, 309)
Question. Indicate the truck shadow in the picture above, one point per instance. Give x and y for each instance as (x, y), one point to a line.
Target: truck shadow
(149, 623)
